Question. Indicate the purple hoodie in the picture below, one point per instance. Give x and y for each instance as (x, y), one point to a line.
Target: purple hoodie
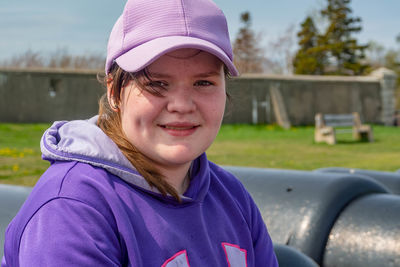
(92, 208)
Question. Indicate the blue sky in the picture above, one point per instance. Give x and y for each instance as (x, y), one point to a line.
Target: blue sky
(82, 26)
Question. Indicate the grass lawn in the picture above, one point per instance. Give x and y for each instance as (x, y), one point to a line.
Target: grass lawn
(273, 147)
(242, 145)
(20, 157)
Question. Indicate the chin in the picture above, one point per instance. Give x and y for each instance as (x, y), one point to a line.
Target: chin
(179, 157)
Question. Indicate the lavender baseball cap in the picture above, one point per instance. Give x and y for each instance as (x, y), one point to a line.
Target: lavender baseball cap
(148, 29)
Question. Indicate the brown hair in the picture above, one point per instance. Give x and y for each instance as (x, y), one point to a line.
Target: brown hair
(110, 122)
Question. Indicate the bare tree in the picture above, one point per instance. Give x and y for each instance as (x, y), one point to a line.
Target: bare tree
(29, 59)
(60, 58)
(248, 55)
(375, 54)
(280, 53)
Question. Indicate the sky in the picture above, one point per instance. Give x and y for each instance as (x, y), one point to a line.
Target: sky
(82, 26)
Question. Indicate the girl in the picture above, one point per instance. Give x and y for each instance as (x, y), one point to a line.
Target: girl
(132, 186)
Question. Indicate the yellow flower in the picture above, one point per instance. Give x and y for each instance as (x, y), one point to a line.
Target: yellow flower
(15, 167)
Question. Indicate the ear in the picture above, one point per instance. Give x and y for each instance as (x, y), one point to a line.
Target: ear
(112, 100)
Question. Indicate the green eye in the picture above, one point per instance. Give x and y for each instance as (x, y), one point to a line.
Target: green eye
(157, 84)
(161, 83)
(203, 83)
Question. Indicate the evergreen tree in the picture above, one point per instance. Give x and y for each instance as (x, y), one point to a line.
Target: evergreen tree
(309, 59)
(344, 53)
(248, 56)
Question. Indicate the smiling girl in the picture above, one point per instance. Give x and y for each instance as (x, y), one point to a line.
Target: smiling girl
(132, 186)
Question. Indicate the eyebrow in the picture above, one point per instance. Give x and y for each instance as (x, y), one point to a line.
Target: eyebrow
(198, 75)
(208, 74)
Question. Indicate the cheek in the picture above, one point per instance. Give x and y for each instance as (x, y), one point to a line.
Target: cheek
(130, 112)
(215, 109)
(139, 112)
(221, 107)
(221, 102)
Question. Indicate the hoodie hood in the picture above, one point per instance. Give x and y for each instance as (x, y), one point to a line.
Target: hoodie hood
(84, 141)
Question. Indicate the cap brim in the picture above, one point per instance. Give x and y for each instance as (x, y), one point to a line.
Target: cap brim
(143, 55)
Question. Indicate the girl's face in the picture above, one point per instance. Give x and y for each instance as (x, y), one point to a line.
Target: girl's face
(175, 128)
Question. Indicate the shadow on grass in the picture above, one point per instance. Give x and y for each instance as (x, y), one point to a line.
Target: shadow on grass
(349, 142)
(354, 142)
(5, 177)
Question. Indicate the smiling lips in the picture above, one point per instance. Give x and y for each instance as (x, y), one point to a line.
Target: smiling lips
(179, 129)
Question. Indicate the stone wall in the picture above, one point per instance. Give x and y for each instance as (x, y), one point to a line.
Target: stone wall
(48, 95)
(303, 97)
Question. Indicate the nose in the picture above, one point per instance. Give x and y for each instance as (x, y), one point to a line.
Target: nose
(181, 100)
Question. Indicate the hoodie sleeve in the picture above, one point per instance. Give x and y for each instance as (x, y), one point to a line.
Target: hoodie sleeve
(264, 254)
(262, 246)
(67, 232)
(262, 243)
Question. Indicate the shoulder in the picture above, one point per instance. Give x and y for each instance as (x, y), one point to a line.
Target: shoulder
(226, 179)
(68, 192)
(225, 183)
(75, 181)
(72, 179)
(63, 231)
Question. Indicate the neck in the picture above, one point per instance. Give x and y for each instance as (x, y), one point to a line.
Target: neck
(178, 178)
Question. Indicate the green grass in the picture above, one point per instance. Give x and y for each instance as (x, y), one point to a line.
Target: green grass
(242, 145)
(273, 147)
(20, 157)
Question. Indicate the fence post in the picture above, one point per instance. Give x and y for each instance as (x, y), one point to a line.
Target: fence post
(388, 89)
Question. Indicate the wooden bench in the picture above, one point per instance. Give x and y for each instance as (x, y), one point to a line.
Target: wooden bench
(328, 125)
